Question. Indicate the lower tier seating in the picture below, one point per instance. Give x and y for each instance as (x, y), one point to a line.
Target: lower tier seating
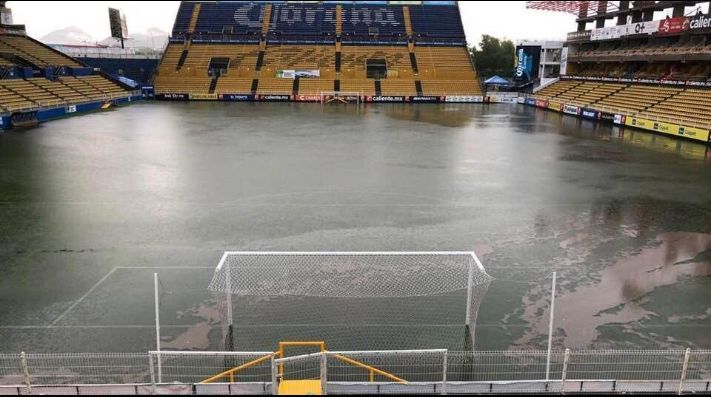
(23, 94)
(441, 70)
(689, 106)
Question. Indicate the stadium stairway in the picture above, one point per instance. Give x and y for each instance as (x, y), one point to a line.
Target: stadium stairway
(194, 18)
(213, 85)
(181, 60)
(408, 21)
(413, 62)
(266, 19)
(339, 20)
(418, 87)
(260, 60)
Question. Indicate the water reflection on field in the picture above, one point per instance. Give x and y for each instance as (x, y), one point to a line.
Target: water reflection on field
(91, 206)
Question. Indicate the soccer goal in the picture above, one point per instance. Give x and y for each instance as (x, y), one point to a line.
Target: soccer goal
(329, 97)
(350, 300)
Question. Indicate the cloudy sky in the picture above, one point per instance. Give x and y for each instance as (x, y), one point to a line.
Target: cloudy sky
(508, 19)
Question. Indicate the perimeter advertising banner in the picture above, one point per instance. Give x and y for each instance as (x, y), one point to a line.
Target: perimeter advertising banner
(236, 97)
(579, 36)
(427, 99)
(528, 60)
(273, 98)
(697, 134)
(701, 22)
(673, 25)
(644, 81)
(608, 33)
(564, 61)
(638, 28)
(173, 97)
(570, 109)
(634, 29)
(590, 114)
(302, 74)
(203, 97)
(307, 98)
(464, 99)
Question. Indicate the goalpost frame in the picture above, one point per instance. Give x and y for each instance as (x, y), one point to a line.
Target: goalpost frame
(336, 95)
(470, 280)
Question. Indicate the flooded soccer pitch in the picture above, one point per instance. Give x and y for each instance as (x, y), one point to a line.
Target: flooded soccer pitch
(92, 206)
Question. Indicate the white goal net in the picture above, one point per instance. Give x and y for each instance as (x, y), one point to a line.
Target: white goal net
(328, 97)
(352, 301)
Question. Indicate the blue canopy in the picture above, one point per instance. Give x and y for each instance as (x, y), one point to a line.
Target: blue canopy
(496, 80)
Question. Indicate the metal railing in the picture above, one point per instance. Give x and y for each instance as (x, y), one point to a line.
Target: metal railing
(430, 371)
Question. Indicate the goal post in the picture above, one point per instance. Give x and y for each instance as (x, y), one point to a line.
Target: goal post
(328, 97)
(351, 300)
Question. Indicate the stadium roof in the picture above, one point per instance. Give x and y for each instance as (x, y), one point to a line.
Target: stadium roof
(589, 8)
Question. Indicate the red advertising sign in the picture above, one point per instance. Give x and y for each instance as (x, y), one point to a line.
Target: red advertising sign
(541, 103)
(308, 98)
(673, 25)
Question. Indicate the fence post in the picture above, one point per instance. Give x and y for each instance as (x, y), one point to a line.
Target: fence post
(324, 373)
(153, 372)
(684, 369)
(564, 374)
(551, 317)
(275, 380)
(25, 372)
(444, 373)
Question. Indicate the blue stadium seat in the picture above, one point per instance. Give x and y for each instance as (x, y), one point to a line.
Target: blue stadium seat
(182, 21)
(244, 17)
(362, 21)
(437, 24)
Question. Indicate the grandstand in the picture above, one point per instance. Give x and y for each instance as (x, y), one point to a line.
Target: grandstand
(653, 74)
(38, 82)
(278, 50)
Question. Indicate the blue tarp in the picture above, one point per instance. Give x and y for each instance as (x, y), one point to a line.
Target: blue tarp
(496, 80)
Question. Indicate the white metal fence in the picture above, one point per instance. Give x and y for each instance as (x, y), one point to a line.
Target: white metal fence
(363, 372)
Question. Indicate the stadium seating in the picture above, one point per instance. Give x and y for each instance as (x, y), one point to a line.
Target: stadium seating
(354, 59)
(349, 42)
(303, 57)
(275, 86)
(685, 105)
(241, 17)
(315, 86)
(303, 21)
(34, 52)
(20, 94)
(34, 91)
(691, 106)
(437, 23)
(182, 20)
(369, 20)
(399, 87)
(182, 84)
(233, 85)
(362, 86)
